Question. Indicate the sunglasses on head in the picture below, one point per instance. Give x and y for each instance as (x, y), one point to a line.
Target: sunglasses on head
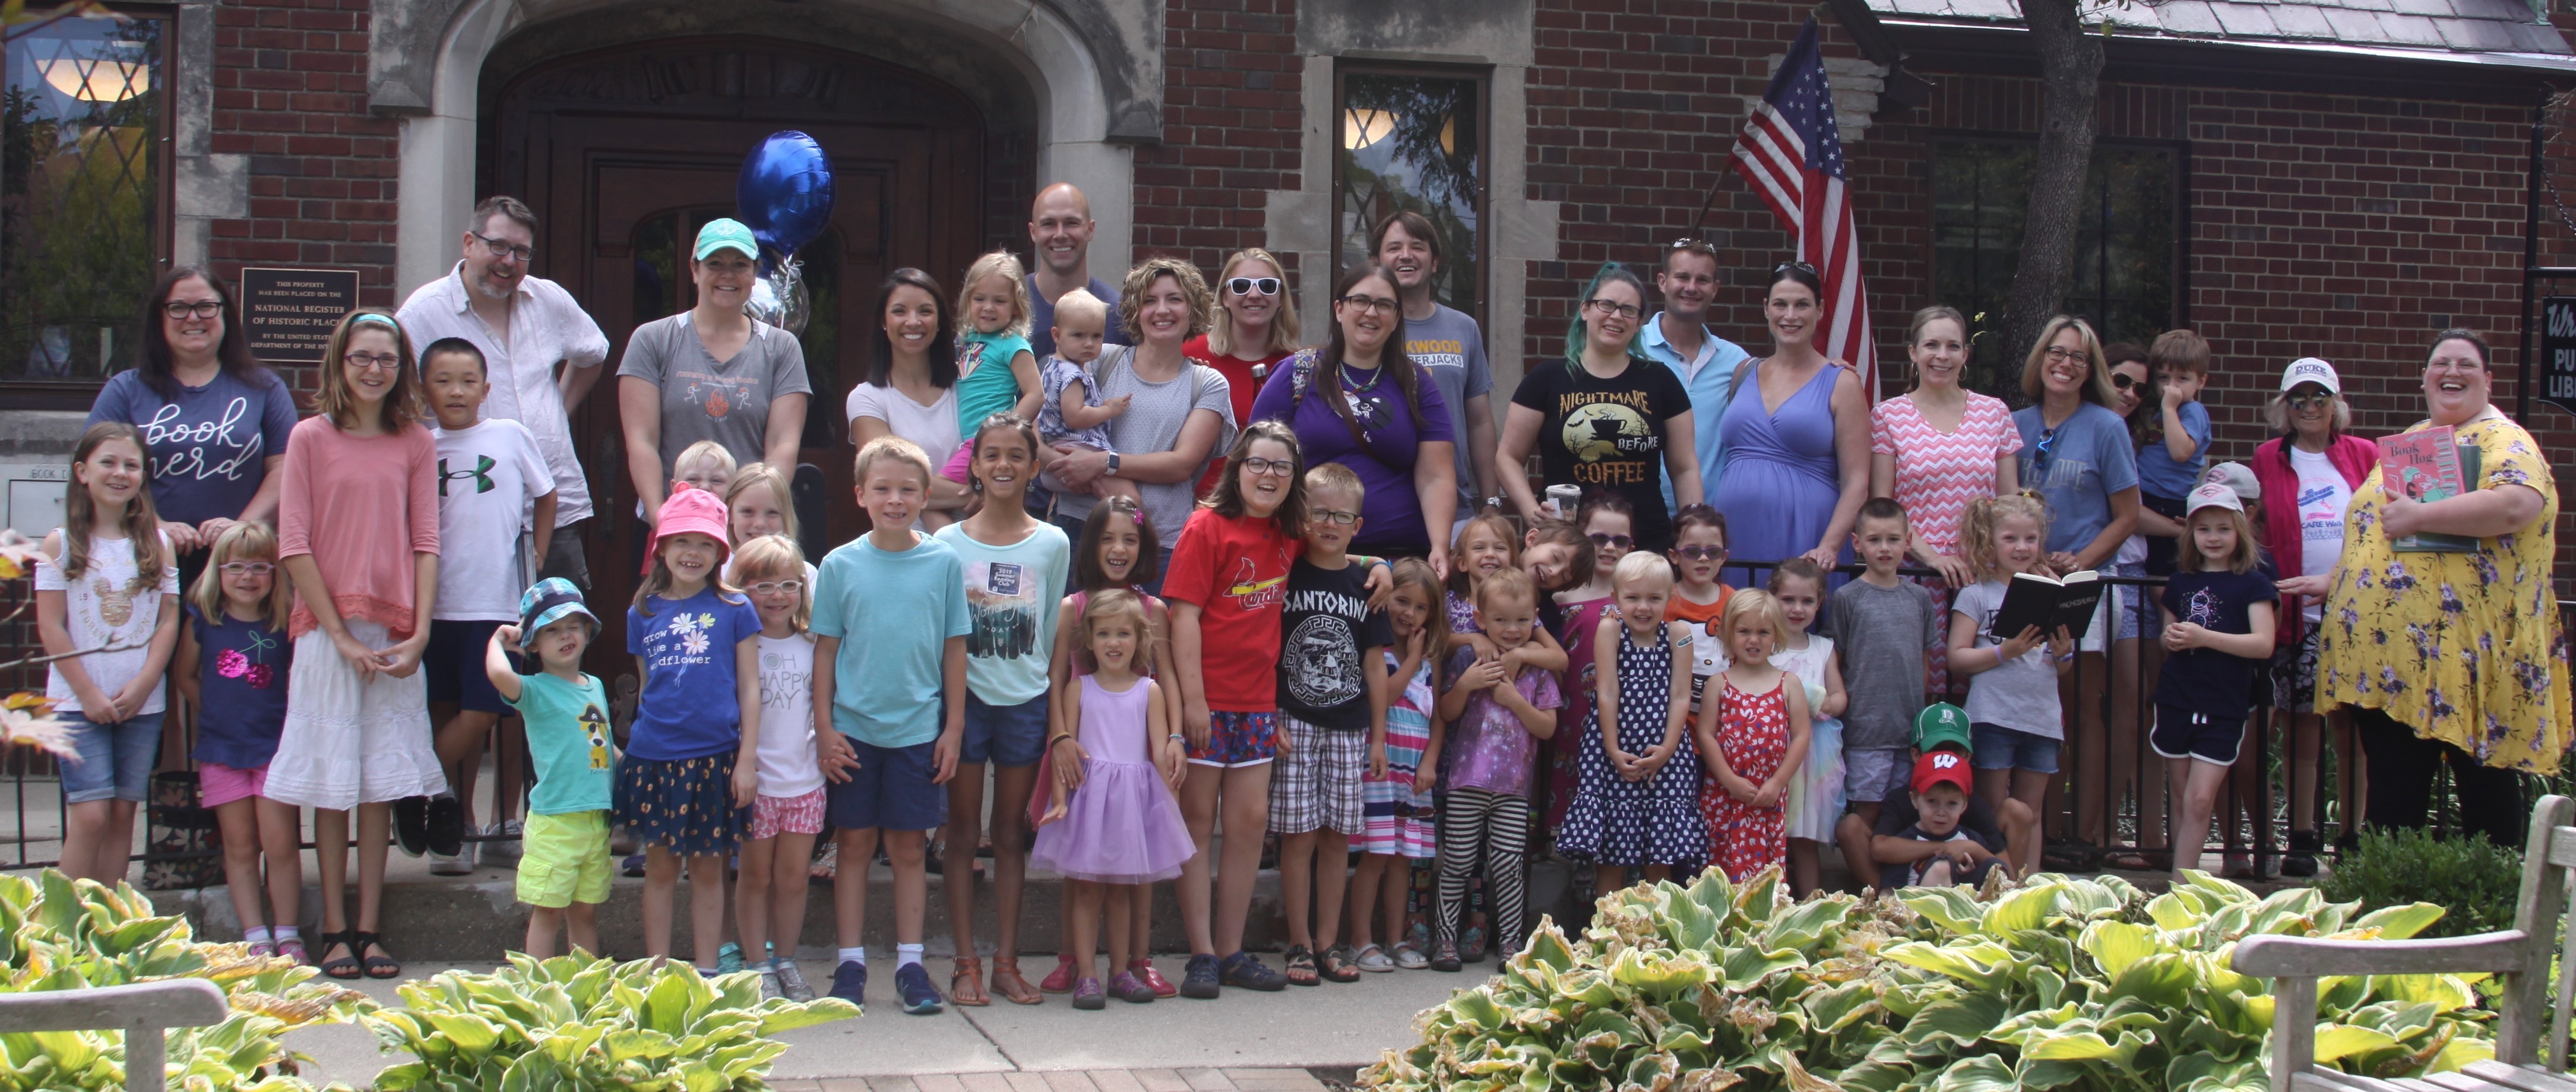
(1801, 267)
(1253, 286)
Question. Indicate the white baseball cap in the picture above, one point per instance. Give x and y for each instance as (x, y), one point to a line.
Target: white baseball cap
(2309, 369)
(2213, 495)
(2235, 476)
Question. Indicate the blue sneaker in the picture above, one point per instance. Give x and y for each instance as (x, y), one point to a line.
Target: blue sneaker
(1244, 970)
(729, 958)
(850, 982)
(920, 998)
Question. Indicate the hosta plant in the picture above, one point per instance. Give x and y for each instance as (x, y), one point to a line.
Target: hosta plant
(579, 1023)
(2058, 983)
(61, 934)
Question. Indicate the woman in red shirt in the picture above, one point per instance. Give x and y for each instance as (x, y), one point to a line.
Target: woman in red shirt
(1256, 328)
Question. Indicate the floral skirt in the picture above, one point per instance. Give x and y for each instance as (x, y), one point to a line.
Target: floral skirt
(683, 805)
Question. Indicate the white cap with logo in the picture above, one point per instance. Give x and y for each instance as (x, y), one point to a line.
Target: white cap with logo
(2213, 495)
(2309, 369)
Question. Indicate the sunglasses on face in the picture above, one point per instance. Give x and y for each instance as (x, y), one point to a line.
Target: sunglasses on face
(1701, 553)
(1622, 542)
(1253, 286)
(247, 568)
(1261, 467)
(2314, 400)
(179, 309)
(2120, 381)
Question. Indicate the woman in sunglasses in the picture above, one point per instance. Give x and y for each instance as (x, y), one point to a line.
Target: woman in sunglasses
(215, 420)
(2309, 473)
(1360, 401)
(1254, 328)
(1796, 438)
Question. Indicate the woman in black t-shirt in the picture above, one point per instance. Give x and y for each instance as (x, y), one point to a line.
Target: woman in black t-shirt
(1607, 416)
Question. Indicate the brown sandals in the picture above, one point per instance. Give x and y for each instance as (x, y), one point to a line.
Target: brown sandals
(966, 984)
(1006, 978)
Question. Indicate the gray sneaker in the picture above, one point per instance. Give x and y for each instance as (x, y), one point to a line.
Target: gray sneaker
(769, 985)
(460, 864)
(503, 852)
(791, 982)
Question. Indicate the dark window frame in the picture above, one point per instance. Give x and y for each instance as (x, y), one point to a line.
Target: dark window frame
(2179, 257)
(80, 394)
(1482, 76)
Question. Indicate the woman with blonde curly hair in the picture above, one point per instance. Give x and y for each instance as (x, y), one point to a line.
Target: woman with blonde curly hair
(1179, 415)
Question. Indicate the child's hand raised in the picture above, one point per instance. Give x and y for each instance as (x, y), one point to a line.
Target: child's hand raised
(1485, 674)
(508, 635)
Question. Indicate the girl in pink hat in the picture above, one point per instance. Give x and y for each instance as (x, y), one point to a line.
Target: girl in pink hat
(690, 773)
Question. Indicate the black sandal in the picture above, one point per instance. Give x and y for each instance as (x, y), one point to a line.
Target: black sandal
(344, 968)
(378, 966)
(1301, 966)
(1338, 964)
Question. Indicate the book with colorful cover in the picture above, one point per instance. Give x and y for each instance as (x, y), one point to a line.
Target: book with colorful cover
(2429, 465)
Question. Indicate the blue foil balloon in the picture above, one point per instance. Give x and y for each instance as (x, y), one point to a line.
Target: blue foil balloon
(785, 193)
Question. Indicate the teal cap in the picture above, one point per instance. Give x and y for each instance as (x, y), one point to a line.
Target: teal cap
(726, 233)
(1942, 724)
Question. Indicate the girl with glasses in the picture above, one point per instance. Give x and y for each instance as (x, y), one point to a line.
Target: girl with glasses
(1608, 419)
(1254, 328)
(232, 663)
(1796, 437)
(787, 812)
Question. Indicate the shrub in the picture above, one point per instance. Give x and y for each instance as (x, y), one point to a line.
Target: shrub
(2059, 983)
(2479, 880)
(580, 1023)
(58, 934)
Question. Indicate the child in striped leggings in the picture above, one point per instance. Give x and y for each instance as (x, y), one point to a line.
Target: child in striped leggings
(1499, 720)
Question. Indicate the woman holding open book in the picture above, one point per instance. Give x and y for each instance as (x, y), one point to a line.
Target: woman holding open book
(2444, 647)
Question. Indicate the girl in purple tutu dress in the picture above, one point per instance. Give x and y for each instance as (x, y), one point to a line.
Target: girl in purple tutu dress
(1112, 823)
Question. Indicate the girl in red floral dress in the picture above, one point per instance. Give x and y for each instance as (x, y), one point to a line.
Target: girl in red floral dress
(1753, 741)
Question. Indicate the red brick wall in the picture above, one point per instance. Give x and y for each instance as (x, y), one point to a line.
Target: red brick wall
(1232, 130)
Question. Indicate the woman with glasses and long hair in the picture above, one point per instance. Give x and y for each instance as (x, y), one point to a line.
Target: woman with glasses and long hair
(2076, 457)
(1796, 438)
(1253, 329)
(1607, 417)
(2309, 472)
(214, 420)
(2452, 655)
(1360, 400)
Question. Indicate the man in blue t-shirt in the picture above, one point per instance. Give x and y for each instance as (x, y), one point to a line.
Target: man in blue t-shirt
(1060, 228)
(1678, 337)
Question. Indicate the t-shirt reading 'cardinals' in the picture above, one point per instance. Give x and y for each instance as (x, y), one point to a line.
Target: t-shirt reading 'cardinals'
(1236, 571)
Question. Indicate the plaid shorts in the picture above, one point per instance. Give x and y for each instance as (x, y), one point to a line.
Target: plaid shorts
(1237, 739)
(1317, 783)
(772, 816)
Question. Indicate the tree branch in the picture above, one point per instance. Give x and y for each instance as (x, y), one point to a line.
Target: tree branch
(2070, 67)
(40, 661)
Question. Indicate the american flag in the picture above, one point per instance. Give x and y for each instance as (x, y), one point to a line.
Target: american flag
(1792, 152)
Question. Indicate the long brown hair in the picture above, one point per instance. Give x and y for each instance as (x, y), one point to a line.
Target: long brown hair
(1392, 359)
(142, 525)
(1435, 622)
(1227, 498)
(402, 403)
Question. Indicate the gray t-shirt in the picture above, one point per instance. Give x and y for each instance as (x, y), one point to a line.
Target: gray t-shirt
(1152, 424)
(1451, 347)
(2021, 694)
(725, 402)
(2075, 467)
(1884, 634)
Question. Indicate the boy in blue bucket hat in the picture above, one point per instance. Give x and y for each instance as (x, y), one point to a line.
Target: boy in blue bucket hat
(564, 869)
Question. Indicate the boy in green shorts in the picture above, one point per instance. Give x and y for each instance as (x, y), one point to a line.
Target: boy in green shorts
(563, 872)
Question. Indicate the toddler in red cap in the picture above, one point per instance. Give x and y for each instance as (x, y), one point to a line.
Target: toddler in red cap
(1937, 850)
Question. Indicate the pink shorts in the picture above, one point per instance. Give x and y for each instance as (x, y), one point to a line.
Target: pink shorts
(959, 465)
(772, 816)
(219, 784)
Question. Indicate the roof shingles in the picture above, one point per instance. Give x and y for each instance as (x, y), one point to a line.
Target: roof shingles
(2449, 26)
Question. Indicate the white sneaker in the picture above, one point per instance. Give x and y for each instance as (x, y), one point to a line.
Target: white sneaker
(769, 984)
(505, 851)
(462, 864)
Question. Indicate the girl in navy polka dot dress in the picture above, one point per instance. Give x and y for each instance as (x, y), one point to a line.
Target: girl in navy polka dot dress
(1636, 804)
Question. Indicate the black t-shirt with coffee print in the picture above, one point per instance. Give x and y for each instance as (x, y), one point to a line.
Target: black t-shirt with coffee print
(1324, 629)
(1608, 434)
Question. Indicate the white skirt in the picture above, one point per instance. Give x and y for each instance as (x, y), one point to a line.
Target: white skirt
(349, 742)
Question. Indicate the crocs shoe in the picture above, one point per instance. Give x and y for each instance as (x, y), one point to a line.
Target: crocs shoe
(920, 998)
(1059, 980)
(1144, 971)
(262, 949)
(1088, 996)
(1199, 978)
(1246, 971)
(1126, 987)
(849, 982)
(791, 982)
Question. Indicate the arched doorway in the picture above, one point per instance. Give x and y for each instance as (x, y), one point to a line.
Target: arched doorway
(626, 151)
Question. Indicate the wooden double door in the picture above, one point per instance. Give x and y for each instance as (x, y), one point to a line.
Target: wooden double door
(625, 152)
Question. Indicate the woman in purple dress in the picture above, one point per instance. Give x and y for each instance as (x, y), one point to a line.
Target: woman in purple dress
(1796, 439)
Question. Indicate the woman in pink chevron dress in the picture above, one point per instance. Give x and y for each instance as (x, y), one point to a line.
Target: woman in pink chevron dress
(1935, 448)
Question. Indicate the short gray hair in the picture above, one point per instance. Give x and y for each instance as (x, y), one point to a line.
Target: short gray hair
(500, 204)
(2276, 413)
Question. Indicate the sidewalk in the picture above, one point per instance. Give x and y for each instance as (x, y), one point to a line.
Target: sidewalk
(1257, 1042)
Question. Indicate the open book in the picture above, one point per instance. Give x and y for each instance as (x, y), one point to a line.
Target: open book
(2047, 602)
(2429, 465)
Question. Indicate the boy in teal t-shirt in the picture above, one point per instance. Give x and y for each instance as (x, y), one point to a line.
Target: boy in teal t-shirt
(564, 867)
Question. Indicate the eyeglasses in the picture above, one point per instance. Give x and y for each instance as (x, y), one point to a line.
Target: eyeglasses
(2123, 382)
(1702, 553)
(501, 248)
(180, 309)
(1379, 304)
(247, 568)
(1623, 542)
(1253, 286)
(1606, 308)
(776, 587)
(2059, 354)
(383, 362)
(1261, 467)
(1322, 515)
(2462, 367)
(2315, 400)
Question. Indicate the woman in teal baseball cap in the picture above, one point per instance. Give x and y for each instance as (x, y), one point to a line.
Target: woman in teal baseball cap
(711, 372)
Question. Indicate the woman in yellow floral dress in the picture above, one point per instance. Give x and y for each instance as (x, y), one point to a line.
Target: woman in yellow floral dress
(2453, 657)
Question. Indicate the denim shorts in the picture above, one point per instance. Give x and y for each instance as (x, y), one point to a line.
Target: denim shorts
(116, 760)
(890, 790)
(2001, 748)
(1004, 735)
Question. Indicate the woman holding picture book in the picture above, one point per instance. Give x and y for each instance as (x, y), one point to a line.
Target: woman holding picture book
(2443, 647)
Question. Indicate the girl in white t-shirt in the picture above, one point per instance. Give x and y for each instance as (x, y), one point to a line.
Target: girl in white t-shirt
(106, 583)
(769, 892)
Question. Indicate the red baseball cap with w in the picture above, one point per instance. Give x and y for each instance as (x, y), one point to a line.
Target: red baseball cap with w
(1936, 767)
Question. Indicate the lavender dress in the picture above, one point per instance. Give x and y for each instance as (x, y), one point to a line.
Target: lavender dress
(1782, 478)
(1122, 825)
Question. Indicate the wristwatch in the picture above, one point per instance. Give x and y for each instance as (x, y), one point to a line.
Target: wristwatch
(1113, 465)
(1493, 502)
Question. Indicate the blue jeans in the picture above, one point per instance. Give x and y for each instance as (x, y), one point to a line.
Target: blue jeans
(116, 760)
